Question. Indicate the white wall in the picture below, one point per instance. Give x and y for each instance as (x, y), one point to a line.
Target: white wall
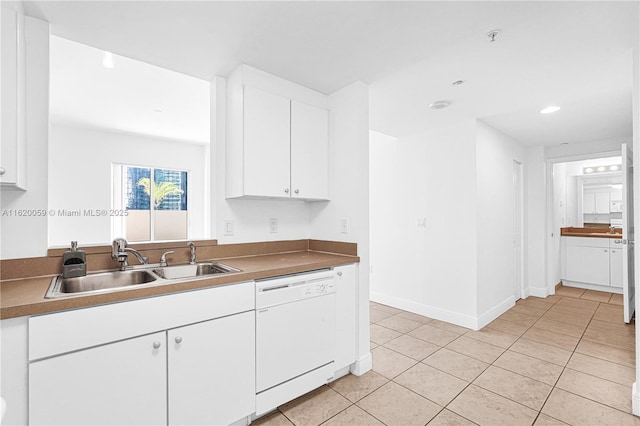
(80, 164)
(27, 236)
(495, 155)
(430, 270)
(349, 193)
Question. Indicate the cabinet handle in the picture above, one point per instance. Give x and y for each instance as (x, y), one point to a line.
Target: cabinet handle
(2, 171)
(613, 251)
(286, 190)
(340, 273)
(178, 339)
(297, 191)
(156, 345)
(605, 250)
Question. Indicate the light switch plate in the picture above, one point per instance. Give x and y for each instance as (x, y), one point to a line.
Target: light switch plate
(344, 226)
(273, 225)
(228, 227)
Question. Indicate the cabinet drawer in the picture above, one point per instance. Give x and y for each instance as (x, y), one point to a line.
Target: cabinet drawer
(69, 331)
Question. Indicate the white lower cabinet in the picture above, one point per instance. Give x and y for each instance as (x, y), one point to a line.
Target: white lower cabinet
(122, 383)
(346, 316)
(591, 261)
(192, 362)
(615, 266)
(211, 367)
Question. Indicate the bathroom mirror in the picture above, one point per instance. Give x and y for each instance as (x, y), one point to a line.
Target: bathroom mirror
(128, 149)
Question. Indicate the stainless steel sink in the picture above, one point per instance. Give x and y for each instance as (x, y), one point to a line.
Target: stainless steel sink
(190, 271)
(97, 283)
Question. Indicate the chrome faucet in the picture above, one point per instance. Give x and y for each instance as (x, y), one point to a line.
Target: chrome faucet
(192, 247)
(120, 252)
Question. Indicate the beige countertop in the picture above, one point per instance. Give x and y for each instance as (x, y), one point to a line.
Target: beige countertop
(21, 297)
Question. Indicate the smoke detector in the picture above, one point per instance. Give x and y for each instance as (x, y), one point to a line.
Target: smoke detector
(439, 105)
(491, 35)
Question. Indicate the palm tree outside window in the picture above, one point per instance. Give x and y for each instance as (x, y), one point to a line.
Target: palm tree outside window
(156, 208)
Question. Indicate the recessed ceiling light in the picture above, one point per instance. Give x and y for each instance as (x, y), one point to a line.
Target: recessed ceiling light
(107, 60)
(614, 168)
(588, 170)
(550, 109)
(157, 110)
(601, 168)
(458, 82)
(439, 104)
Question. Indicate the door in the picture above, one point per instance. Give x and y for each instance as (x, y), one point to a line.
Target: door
(121, 383)
(628, 273)
(212, 371)
(267, 143)
(309, 151)
(517, 229)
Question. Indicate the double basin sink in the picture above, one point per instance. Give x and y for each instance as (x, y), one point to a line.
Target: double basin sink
(105, 281)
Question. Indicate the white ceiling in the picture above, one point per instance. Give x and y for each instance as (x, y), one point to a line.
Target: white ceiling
(576, 54)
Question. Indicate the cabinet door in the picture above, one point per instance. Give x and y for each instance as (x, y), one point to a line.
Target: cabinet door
(9, 96)
(587, 265)
(346, 315)
(589, 202)
(309, 151)
(615, 267)
(266, 144)
(212, 371)
(602, 203)
(120, 383)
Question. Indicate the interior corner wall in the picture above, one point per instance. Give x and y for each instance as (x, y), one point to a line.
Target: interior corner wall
(348, 189)
(27, 236)
(495, 155)
(535, 208)
(423, 215)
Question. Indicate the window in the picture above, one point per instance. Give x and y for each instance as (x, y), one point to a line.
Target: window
(156, 209)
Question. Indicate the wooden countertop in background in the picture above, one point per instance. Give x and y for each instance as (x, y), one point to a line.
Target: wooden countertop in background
(590, 232)
(21, 297)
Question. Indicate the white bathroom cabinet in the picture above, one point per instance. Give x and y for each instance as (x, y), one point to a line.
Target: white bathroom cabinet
(590, 262)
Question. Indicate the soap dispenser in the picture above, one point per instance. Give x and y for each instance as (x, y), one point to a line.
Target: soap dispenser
(74, 262)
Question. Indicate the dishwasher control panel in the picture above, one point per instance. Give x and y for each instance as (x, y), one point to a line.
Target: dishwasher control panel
(287, 289)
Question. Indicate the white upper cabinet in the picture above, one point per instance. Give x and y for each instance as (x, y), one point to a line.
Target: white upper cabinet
(277, 138)
(309, 151)
(13, 174)
(267, 135)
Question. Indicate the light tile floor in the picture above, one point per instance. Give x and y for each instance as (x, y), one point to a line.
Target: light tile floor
(566, 359)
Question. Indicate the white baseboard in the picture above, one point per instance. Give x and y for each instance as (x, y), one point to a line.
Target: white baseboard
(635, 400)
(426, 310)
(537, 292)
(361, 366)
(596, 287)
(496, 311)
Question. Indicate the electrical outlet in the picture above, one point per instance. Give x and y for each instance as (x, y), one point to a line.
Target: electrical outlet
(344, 226)
(273, 225)
(228, 227)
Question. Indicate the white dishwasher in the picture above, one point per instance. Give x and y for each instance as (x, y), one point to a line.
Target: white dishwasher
(295, 336)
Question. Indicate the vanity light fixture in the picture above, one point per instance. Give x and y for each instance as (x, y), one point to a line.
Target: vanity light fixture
(550, 109)
(601, 169)
(107, 60)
